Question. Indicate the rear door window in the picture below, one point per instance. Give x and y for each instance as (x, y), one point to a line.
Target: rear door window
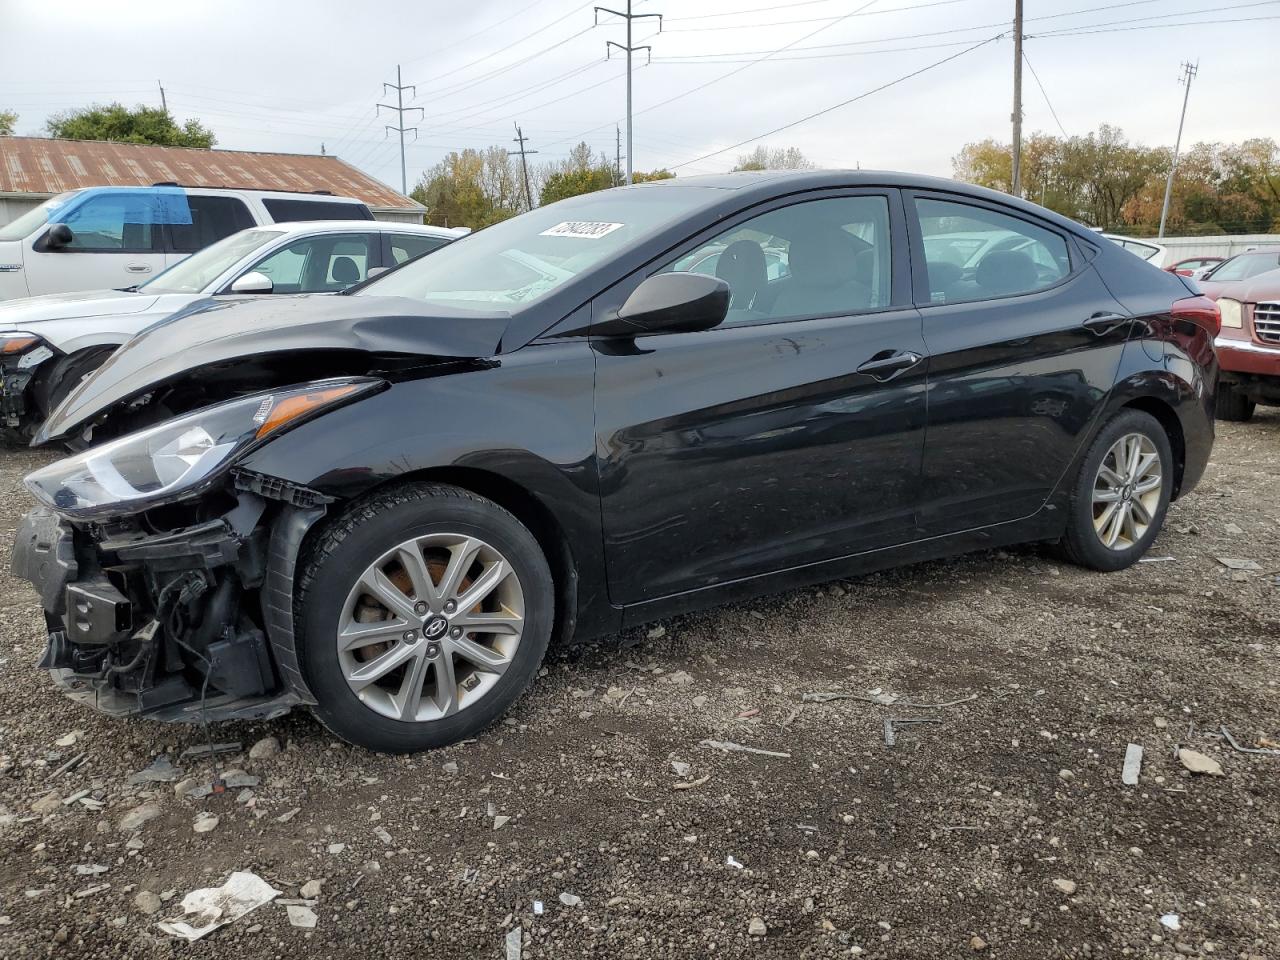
(975, 253)
(407, 246)
(212, 218)
(291, 210)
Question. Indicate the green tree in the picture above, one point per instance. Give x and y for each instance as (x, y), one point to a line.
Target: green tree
(1105, 180)
(774, 158)
(471, 188)
(639, 176)
(570, 183)
(119, 124)
(8, 120)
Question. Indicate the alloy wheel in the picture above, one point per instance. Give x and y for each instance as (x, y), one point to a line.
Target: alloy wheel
(1126, 491)
(430, 627)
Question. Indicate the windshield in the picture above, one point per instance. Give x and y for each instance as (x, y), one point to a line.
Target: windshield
(521, 260)
(1246, 265)
(198, 271)
(32, 220)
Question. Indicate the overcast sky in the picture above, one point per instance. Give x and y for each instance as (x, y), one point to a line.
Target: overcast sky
(287, 75)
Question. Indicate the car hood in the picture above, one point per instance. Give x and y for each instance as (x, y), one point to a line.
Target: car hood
(219, 331)
(1265, 286)
(16, 314)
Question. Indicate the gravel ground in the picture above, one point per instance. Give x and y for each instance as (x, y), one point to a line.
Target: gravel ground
(1002, 828)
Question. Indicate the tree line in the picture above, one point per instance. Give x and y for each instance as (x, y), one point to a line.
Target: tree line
(480, 187)
(119, 124)
(1105, 180)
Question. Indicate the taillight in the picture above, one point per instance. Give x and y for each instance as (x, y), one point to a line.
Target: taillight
(1199, 310)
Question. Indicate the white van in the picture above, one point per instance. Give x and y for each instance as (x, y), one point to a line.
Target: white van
(116, 237)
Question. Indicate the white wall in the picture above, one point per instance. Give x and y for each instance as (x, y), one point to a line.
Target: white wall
(11, 208)
(1182, 248)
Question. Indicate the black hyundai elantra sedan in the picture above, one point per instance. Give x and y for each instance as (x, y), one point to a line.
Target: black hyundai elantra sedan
(618, 407)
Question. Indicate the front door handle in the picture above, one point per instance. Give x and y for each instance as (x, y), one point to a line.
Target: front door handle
(885, 365)
(1103, 323)
(138, 267)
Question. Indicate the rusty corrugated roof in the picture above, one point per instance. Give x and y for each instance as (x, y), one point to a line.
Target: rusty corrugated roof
(46, 166)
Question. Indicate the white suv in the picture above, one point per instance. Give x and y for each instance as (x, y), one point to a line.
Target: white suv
(49, 344)
(117, 236)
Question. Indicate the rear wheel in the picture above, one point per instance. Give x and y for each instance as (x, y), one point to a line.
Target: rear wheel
(1121, 495)
(423, 614)
(1231, 404)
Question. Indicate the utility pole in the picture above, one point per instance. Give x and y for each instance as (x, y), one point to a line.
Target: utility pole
(164, 105)
(629, 49)
(617, 163)
(524, 166)
(1017, 98)
(400, 110)
(1189, 70)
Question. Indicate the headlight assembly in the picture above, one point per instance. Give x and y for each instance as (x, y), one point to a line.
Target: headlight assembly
(1230, 310)
(177, 458)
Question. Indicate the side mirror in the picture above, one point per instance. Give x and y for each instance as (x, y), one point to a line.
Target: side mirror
(376, 272)
(252, 282)
(59, 235)
(670, 303)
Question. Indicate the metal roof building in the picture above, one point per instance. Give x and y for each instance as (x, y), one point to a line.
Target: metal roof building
(32, 169)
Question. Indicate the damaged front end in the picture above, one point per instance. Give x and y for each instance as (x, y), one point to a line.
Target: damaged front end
(166, 573)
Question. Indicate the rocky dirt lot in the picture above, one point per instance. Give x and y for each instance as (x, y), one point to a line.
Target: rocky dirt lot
(599, 823)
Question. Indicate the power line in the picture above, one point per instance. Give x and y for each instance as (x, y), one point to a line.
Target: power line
(842, 103)
(735, 71)
(804, 3)
(490, 56)
(1045, 94)
(400, 110)
(1150, 26)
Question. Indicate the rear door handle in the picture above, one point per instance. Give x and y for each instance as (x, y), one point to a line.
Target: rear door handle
(138, 267)
(885, 366)
(1103, 323)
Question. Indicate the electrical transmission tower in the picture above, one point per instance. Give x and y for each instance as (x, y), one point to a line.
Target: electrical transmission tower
(520, 138)
(1189, 71)
(628, 49)
(400, 110)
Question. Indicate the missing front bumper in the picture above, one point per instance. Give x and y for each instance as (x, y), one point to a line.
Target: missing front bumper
(186, 625)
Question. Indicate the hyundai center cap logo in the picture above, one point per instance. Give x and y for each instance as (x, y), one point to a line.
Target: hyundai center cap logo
(435, 627)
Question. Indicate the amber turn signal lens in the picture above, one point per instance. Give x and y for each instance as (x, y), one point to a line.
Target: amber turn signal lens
(17, 344)
(293, 407)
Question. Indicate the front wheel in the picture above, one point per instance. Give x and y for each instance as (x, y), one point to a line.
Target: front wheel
(423, 614)
(1121, 495)
(1230, 404)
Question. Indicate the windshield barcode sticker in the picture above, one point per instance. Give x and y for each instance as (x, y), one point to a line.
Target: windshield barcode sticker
(588, 229)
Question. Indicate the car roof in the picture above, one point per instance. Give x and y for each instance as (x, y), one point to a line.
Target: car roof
(302, 195)
(346, 226)
(772, 183)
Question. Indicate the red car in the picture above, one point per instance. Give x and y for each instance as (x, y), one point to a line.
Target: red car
(1192, 265)
(1249, 344)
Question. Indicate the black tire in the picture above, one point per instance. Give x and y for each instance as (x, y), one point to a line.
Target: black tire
(339, 553)
(61, 378)
(1231, 404)
(1081, 544)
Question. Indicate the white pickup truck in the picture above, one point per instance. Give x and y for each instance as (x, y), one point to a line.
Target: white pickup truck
(112, 237)
(49, 344)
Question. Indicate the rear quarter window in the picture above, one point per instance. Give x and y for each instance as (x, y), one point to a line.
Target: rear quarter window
(292, 210)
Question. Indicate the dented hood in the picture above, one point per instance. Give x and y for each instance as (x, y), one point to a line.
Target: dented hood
(223, 330)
